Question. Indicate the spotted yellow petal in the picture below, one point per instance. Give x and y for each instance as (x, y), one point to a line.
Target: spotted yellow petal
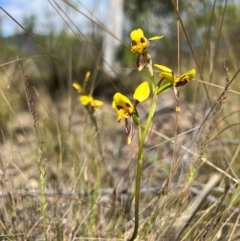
(136, 35)
(189, 74)
(122, 102)
(122, 105)
(186, 77)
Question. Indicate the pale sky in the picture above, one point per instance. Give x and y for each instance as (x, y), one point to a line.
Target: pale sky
(47, 17)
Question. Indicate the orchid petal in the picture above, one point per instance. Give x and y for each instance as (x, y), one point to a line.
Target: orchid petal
(142, 92)
(86, 99)
(168, 76)
(122, 105)
(163, 68)
(155, 38)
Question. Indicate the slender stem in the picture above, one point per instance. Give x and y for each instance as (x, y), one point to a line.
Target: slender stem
(94, 121)
(178, 39)
(164, 87)
(141, 139)
(138, 181)
(150, 116)
(152, 76)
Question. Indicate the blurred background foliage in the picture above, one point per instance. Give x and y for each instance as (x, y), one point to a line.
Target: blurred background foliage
(211, 26)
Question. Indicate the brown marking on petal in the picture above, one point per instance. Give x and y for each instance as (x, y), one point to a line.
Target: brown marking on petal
(119, 107)
(127, 105)
(181, 82)
(143, 40)
(134, 43)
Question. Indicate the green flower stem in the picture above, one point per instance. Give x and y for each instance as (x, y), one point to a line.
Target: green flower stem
(94, 121)
(138, 182)
(141, 139)
(164, 87)
(152, 79)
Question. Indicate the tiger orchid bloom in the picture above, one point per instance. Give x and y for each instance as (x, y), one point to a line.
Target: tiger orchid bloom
(122, 105)
(87, 100)
(125, 109)
(168, 75)
(139, 45)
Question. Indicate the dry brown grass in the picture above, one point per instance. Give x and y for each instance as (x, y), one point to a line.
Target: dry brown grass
(89, 194)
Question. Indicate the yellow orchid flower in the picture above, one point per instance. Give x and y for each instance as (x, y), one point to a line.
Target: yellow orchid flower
(126, 109)
(177, 81)
(122, 105)
(96, 104)
(86, 99)
(139, 43)
(167, 73)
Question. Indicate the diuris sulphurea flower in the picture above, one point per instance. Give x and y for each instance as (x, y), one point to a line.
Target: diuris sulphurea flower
(139, 42)
(87, 99)
(125, 109)
(139, 45)
(176, 81)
